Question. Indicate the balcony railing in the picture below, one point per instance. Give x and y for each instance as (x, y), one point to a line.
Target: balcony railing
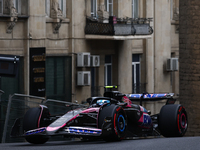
(118, 26)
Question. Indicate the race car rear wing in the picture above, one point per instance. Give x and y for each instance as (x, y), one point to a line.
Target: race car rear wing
(152, 97)
(144, 97)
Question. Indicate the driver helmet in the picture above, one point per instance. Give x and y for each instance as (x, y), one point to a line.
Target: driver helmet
(101, 102)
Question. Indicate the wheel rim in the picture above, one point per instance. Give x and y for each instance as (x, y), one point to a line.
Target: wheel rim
(121, 123)
(183, 121)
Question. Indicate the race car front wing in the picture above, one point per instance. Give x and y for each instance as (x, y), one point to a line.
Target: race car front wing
(72, 130)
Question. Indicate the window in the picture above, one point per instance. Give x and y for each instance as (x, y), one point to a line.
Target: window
(109, 6)
(62, 6)
(4, 8)
(17, 4)
(135, 10)
(136, 73)
(47, 7)
(174, 9)
(108, 70)
(61, 3)
(93, 8)
(1, 6)
(58, 78)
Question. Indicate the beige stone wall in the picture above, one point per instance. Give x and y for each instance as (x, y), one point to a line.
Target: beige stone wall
(13, 43)
(162, 45)
(122, 8)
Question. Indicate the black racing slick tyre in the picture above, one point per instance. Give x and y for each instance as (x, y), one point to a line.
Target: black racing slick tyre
(112, 120)
(173, 120)
(31, 121)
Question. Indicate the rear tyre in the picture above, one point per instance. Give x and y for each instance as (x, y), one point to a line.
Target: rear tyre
(32, 121)
(173, 120)
(113, 122)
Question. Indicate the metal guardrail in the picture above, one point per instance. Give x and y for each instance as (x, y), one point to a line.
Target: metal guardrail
(18, 104)
(3, 105)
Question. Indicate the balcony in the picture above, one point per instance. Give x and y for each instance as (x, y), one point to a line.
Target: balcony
(118, 29)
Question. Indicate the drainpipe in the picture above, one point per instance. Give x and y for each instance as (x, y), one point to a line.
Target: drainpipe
(27, 73)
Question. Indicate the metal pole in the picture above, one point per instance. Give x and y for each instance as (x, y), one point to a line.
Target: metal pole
(1, 92)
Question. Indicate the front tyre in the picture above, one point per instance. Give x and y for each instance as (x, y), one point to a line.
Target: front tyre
(113, 122)
(32, 121)
(173, 121)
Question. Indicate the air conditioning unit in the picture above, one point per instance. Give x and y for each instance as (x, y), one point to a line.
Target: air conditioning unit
(83, 78)
(95, 61)
(83, 60)
(172, 64)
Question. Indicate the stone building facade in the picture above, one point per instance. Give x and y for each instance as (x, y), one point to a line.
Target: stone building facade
(190, 62)
(57, 28)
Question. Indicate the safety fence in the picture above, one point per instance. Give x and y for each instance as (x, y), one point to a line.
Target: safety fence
(17, 106)
(3, 106)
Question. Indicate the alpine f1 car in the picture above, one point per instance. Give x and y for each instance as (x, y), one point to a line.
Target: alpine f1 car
(112, 117)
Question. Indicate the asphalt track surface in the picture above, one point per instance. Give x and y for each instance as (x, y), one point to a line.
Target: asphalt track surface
(184, 143)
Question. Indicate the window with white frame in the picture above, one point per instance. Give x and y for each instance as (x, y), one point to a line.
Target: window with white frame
(1, 6)
(93, 8)
(62, 7)
(61, 4)
(47, 7)
(136, 73)
(109, 6)
(171, 9)
(17, 5)
(135, 10)
(108, 70)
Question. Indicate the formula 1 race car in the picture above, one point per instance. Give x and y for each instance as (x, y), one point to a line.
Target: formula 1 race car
(111, 118)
